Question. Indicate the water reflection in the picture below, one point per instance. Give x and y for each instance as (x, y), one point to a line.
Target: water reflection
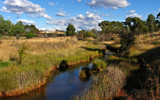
(61, 85)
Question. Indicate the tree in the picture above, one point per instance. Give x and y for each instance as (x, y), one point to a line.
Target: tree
(104, 25)
(70, 30)
(89, 34)
(1, 25)
(158, 16)
(7, 25)
(150, 22)
(18, 29)
(31, 29)
(111, 27)
(128, 21)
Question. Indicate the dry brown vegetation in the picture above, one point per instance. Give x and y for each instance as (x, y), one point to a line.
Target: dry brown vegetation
(39, 46)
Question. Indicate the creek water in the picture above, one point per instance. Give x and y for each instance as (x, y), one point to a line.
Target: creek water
(61, 85)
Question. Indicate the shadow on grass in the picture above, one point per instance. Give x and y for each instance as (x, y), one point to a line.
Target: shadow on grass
(138, 73)
(92, 49)
(63, 65)
(138, 78)
(111, 48)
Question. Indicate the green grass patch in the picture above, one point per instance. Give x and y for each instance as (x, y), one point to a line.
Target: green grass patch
(4, 64)
(99, 65)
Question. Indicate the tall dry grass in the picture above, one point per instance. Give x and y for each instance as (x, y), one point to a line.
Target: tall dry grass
(37, 46)
(41, 56)
(105, 85)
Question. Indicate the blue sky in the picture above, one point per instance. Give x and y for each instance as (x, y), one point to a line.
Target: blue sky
(83, 14)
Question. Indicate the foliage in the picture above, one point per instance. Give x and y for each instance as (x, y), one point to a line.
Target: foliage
(111, 27)
(151, 23)
(31, 29)
(30, 35)
(21, 53)
(158, 15)
(98, 65)
(5, 26)
(127, 40)
(8, 28)
(18, 29)
(136, 25)
(85, 73)
(70, 30)
(82, 35)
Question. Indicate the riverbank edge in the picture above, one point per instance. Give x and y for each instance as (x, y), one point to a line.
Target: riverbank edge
(18, 92)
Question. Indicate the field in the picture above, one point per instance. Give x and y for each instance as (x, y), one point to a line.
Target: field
(26, 63)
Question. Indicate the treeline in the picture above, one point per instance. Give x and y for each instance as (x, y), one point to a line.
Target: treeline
(132, 25)
(127, 31)
(18, 29)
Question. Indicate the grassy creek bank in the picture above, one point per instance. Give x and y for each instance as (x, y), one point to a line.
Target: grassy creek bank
(41, 58)
(135, 76)
(141, 67)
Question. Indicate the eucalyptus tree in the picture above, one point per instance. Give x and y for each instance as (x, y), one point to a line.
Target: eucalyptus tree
(150, 22)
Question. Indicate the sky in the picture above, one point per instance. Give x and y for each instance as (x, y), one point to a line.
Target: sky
(83, 14)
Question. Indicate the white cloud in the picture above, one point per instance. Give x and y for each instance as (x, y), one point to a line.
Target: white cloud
(131, 12)
(80, 16)
(4, 9)
(24, 6)
(45, 16)
(51, 3)
(79, 0)
(27, 21)
(61, 14)
(87, 22)
(115, 8)
(109, 3)
(158, 9)
(134, 15)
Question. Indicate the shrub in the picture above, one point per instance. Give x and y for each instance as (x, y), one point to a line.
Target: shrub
(98, 65)
(30, 35)
(21, 53)
(85, 73)
(127, 40)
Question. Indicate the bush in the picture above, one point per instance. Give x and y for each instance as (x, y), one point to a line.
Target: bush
(127, 40)
(98, 65)
(30, 35)
(21, 53)
(85, 73)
